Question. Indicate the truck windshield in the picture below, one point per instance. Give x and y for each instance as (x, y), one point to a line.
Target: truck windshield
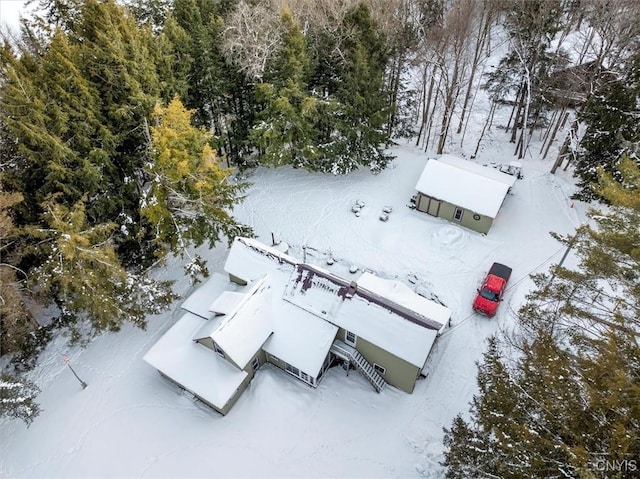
(488, 294)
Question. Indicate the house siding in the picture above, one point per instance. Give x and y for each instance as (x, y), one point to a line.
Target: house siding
(280, 364)
(236, 280)
(207, 342)
(243, 386)
(447, 210)
(398, 372)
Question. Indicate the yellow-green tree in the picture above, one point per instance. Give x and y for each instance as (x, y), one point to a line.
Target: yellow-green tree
(189, 195)
(83, 276)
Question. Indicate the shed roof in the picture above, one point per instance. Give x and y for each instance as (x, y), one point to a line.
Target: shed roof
(473, 167)
(194, 366)
(463, 187)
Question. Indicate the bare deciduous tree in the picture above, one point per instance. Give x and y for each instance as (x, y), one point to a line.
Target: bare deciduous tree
(252, 35)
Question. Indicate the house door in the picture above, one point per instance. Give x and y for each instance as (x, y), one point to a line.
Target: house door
(434, 207)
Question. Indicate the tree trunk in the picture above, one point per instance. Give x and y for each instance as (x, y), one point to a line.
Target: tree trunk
(560, 123)
(516, 121)
(506, 129)
(433, 110)
(393, 88)
(487, 124)
(565, 146)
(449, 105)
(544, 137)
(425, 102)
(483, 30)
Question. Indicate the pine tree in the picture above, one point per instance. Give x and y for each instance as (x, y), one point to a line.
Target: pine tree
(189, 194)
(284, 132)
(16, 321)
(17, 398)
(610, 119)
(82, 274)
(217, 90)
(48, 108)
(360, 122)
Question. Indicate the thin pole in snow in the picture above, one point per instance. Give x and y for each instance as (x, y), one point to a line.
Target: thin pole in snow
(67, 361)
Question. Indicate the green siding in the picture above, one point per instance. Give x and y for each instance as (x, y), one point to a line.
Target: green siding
(243, 385)
(277, 362)
(208, 342)
(447, 210)
(399, 373)
(235, 279)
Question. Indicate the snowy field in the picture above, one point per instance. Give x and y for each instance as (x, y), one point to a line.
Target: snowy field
(131, 423)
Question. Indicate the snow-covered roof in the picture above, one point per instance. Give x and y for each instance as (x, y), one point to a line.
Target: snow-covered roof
(226, 302)
(299, 338)
(249, 259)
(401, 294)
(194, 366)
(243, 331)
(327, 297)
(462, 187)
(199, 302)
(486, 171)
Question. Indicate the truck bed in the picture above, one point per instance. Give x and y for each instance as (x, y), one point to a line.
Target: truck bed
(501, 271)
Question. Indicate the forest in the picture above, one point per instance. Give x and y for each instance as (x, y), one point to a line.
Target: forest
(123, 124)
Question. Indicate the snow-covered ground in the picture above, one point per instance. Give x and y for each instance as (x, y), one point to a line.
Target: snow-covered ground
(130, 422)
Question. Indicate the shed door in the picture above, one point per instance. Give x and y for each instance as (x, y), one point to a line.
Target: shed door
(434, 207)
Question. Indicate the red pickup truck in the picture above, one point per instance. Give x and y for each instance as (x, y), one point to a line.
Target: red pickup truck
(490, 294)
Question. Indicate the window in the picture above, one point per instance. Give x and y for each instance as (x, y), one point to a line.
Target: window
(379, 369)
(255, 364)
(291, 369)
(350, 338)
(299, 374)
(218, 349)
(457, 214)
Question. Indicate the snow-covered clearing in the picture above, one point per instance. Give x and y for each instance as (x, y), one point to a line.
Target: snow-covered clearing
(130, 422)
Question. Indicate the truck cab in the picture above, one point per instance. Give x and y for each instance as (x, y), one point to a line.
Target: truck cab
(493, 287)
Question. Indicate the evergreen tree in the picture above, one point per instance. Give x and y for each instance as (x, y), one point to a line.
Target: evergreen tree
(16, 321)
(49, 109)
(81, 273)
(219, 93)
(284, 132)
(118, 61)
(360, 123)
(17, 398)
(610, 116)
(189, 195)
